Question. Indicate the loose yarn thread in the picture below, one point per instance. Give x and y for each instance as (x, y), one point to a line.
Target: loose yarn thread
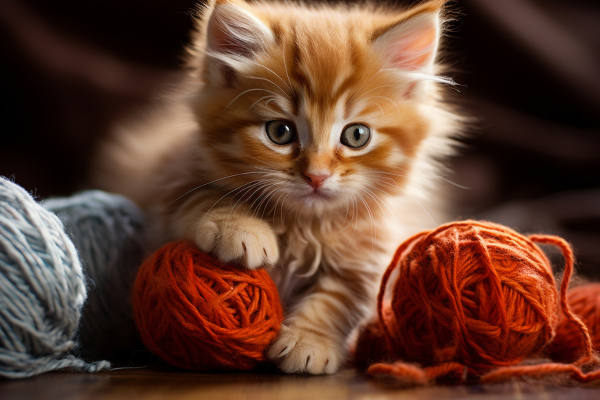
(198, 313)
(474, 299)
(41, 288)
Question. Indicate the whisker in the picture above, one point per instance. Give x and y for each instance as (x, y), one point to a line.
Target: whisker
(378, 105)
(381, 190)
(258, 101)
(378, 87)
(214, 204)
(437, 176)
(286, 71)
(347, 210)
(385, 183)
(384, 203)
(261, 194)
(276, 204)
(244, 92)
(273, 210)
(273, 72)
(265, 199)
(270, 81)
(283, 202)
(242, 193)
(249, 185)
(373, 228)
(408, 194)
(208, 183)
(421, 205)
(454, 183)
(347, 207)
(355, 208)
(379, 205)
(275, 193)
(375, 187)
(255, 185)
(367, 82)
(388, 99)
(389, 173)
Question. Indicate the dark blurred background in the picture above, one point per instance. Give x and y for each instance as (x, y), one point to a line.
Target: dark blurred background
(529, 70)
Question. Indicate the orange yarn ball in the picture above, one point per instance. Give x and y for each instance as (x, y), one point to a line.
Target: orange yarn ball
(567, 345)
(198, 313)
(477, 294)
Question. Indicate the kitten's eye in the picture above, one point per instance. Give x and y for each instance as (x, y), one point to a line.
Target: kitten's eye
(281, 132)
(355, 136)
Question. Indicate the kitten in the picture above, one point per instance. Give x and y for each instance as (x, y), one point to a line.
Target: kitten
(304, 140)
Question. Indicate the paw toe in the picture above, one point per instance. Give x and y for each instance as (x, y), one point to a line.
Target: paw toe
(206, 236)
(302, 352)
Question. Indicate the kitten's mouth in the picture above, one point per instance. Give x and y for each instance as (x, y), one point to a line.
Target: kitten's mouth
(319, 194)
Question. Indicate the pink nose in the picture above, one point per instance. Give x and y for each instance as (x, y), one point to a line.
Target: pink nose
(314, 180)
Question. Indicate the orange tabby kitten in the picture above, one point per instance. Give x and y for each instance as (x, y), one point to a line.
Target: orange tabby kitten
(303, 140)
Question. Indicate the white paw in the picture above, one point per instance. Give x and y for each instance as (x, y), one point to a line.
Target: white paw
(298, 350)
(247, 240)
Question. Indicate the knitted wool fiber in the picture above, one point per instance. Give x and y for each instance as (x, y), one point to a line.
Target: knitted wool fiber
(41, 289)
(473, 299)
(198, 313)
(108, 231)
(567, 345)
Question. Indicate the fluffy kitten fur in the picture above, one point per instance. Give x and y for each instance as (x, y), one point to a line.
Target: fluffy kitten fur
(206, 170)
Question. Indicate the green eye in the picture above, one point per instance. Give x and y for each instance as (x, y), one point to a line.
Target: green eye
(281, 132)
(355, 136)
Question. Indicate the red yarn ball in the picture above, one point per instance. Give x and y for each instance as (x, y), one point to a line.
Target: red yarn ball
(370, 346)
(567, 345)
(198, 313)
(477, 294)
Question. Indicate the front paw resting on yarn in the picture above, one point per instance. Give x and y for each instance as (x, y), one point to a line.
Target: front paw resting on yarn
(299, 350)
(236, 237)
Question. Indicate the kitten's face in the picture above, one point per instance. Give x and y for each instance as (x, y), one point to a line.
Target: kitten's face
(319, 109)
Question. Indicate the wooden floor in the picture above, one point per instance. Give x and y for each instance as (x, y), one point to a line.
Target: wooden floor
(160, 383)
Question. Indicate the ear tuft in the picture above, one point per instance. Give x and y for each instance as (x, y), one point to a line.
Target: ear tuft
(235, 31)
(411, 44)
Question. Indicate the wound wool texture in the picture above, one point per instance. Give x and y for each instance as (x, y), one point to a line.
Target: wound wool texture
(568, 344)
(109, 232)
(42, 289)
(474, 299)
(198, 313)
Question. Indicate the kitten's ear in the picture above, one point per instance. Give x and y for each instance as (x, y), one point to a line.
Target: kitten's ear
(411, 42)
(235, 32)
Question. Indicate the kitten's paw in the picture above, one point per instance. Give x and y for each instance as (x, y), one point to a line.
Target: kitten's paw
(248, 240)
(298, 350)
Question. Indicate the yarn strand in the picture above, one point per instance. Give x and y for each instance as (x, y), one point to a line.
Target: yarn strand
(587, 357)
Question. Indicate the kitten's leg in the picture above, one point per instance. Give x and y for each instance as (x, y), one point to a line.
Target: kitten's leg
(232, 234)
(313, 338)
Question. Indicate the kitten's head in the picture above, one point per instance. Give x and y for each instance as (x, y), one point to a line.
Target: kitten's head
(321, 107)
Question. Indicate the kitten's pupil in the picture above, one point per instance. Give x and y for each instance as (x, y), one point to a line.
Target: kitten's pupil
(357, 133)
(282, 129)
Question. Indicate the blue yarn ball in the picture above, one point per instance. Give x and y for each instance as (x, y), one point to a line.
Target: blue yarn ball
(42, 289)
(108, 230)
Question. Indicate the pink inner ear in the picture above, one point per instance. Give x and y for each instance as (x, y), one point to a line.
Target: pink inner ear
(416, 53)
(411, 44)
